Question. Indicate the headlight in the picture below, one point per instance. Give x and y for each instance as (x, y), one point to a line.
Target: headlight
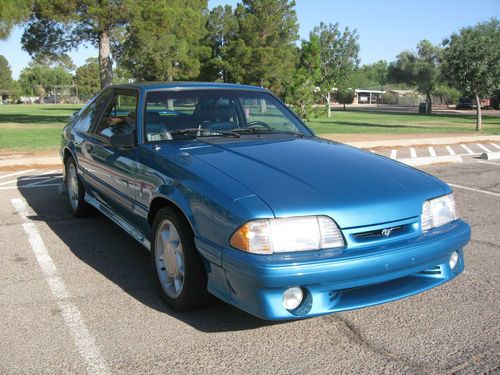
(438, 211)
(267, 236)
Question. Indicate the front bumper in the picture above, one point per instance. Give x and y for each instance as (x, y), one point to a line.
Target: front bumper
(343, 280)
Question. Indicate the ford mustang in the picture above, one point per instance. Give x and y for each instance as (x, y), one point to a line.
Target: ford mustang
(236, 197)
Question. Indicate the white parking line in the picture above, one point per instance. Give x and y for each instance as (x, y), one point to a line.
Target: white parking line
(413, 153)
(42, 182)
(34, 178)
(16, 173)
(432, 152)
(482, 147)
(49, 179)
(394, 154)
(495, 145)
(28, 187)
(476, 190)
(37, 177)
(467, 149)
(7, 182)
(85, 343)
(450, 150)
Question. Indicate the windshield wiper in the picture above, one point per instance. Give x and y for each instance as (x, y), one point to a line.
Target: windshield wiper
(199, 132)
(268, 131)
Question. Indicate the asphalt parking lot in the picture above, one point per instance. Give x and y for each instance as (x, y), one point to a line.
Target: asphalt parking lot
(76, 297)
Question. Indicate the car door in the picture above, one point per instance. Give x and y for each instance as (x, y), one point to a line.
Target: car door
(112, 167)
(80, 133)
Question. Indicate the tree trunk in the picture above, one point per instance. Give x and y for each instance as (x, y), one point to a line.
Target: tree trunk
(344, 106)
(328, 105)
(429, 102)
(105, 64)
(479, 123)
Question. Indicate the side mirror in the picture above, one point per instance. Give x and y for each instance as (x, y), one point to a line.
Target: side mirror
(126, 140)
(73, 115)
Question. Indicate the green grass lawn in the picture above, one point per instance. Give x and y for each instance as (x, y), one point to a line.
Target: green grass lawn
(38, 127)
(353, 122)
(33, 127)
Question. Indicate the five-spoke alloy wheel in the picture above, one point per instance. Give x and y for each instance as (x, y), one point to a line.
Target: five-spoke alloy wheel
(169, 258)
(177, 267)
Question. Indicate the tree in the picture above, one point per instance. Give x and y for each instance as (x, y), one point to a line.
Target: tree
(57, 27)
(448, 95)
(87, 79)
(222, 27)
(377, 72)
(5, 75)
(338, 57)
(471, 61)
(421, 69)
(301, 91)
(164, 40)
(15, 91)
(39, 79)
(344, 95)
(12, 12)
(370, 76)
(264, 53)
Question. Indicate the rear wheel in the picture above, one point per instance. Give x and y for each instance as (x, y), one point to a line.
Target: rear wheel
(178, 271)
(75, 191)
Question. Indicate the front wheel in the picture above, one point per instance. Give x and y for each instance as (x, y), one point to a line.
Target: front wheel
(178, 272)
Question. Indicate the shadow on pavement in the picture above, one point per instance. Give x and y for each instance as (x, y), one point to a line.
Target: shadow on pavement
(113, 253)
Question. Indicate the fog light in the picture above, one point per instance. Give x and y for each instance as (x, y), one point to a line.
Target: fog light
(453, 259)
(292, 297)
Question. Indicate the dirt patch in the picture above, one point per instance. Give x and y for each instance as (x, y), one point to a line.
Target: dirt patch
(17, 168)
(12, 154)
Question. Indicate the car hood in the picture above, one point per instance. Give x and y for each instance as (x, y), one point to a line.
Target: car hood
(312, 176)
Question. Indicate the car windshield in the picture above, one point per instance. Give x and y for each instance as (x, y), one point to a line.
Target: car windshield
(173, 115)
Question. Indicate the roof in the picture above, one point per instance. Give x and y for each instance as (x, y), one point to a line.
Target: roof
(180, 85)
(369, 90)
(402, 92)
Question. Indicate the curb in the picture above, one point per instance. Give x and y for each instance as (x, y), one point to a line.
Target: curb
(415, 162)
(490, 155)
(422, 141)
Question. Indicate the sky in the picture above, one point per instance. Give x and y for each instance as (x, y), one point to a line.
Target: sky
(385, 27)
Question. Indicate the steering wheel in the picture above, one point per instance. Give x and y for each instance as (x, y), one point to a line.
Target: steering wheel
(258, 124)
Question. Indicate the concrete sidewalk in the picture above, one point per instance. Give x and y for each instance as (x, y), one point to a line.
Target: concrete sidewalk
(20, 160)
(419, 141)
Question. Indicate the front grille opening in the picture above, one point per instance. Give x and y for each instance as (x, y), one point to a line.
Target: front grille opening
(381, 233)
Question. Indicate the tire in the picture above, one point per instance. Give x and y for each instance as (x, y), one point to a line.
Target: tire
(75, 191)
(178, 271)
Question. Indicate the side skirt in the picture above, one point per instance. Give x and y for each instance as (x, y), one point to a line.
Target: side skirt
(125, 225)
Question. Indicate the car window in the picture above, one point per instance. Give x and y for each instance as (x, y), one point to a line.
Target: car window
(171, 115)
(119, 117)
(264, 111)
(89, 114)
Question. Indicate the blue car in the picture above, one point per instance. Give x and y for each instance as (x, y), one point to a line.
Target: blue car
(236, 197)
